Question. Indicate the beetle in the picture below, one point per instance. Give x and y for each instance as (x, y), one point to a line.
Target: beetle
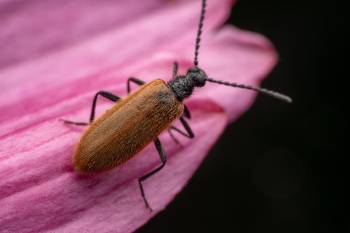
(137, 120)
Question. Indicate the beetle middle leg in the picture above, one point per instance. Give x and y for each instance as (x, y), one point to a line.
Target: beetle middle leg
(163, 159)
(187, 133)
(104, 94)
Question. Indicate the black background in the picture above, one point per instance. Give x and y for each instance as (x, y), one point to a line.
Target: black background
(280, 167)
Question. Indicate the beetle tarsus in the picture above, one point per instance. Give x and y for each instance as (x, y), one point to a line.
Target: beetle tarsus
(74, 123)
(144, 197)
(163, 159)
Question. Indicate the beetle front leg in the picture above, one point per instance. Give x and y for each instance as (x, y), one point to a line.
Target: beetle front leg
(163, 159)
(104, 94)
(134, 80)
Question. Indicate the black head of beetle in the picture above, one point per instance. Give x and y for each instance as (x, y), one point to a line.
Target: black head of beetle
(183, 85)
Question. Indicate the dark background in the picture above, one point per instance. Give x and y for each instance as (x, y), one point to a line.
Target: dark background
(281, 166)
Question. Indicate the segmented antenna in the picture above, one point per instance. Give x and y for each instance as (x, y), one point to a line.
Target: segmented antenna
(243, 86)
(257, 89)
(199, 32)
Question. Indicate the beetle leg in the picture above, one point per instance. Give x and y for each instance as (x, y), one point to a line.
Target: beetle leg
(175, 66)
(134, 80)
(163, 159)
(173, 136)
(105, 94)
(186, 113)
(187, 133)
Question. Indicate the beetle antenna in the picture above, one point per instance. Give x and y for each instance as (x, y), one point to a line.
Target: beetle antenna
(257, 89)
(199, 32)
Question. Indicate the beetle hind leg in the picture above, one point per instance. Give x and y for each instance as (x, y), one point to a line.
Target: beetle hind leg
(163, 159)
(104, 94)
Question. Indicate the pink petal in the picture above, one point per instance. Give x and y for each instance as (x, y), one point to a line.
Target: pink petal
(39, 191)
(35, 28)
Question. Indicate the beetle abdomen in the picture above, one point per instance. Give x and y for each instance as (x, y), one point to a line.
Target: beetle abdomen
(126, 128)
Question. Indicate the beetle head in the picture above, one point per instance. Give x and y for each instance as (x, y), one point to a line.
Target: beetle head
(198, 76)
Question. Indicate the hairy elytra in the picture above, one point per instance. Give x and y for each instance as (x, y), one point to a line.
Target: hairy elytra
(125, 129)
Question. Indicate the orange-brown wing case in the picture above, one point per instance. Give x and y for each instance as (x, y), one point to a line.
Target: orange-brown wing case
(125, 129)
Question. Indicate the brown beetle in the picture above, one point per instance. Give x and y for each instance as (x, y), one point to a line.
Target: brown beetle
(132, 123)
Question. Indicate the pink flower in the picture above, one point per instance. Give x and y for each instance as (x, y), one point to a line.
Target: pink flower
(55, 55)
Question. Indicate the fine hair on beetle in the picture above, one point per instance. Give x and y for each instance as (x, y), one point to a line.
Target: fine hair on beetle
(137, 120)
